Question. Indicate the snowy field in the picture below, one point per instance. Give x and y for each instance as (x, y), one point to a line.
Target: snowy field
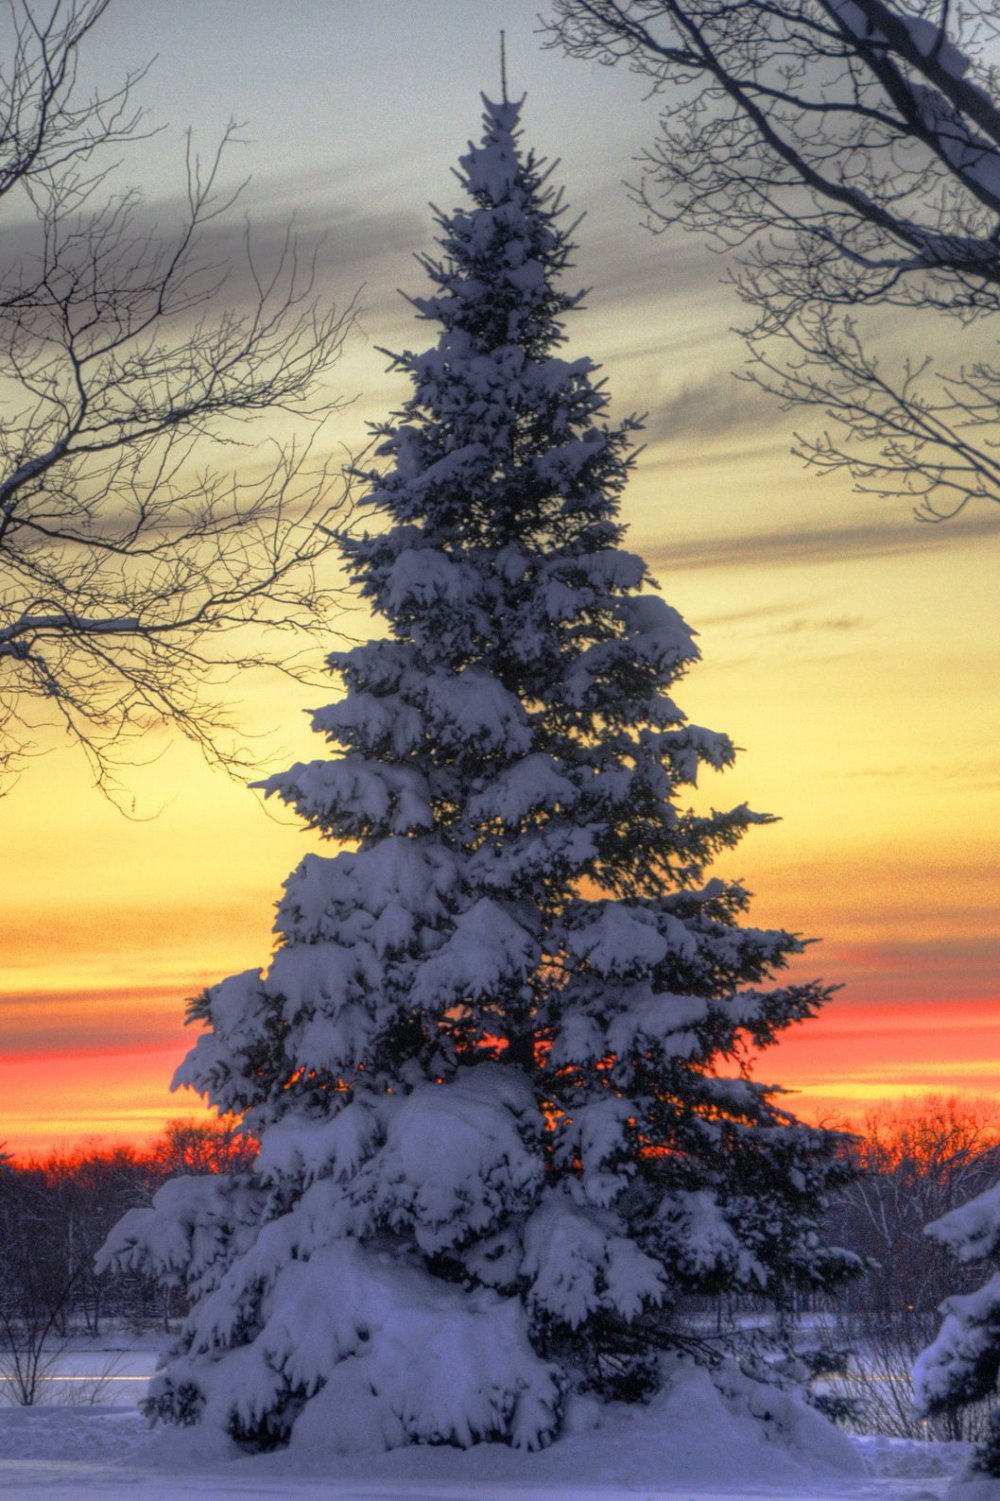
(685, 1445)
(107, 1454)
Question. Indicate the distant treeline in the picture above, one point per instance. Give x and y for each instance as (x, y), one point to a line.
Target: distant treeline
(56, 1211)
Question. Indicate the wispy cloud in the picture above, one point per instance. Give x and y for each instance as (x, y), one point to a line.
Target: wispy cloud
(715, 407)
(754, 612)
(344, 240)
(965, 776)
(802, 623)
(37, 1023)
(823, 545)
(936, 974)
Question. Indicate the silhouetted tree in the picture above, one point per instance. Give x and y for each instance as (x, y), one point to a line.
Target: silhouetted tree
(215, 1145)
(135, 559)
(917, 1160)
(849, 152)
(35, 1285)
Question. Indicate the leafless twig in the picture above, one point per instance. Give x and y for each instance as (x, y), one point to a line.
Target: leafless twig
(150, 541)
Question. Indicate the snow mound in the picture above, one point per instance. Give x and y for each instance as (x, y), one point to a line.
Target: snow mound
(71, 1433)
(727, 1432)
(912, 1459)
(699, 1440)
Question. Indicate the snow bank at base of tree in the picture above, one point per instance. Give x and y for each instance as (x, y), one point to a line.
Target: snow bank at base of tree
(697, 1431)
(691, 1442)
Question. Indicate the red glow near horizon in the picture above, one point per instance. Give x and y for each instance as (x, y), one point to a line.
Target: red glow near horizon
(835, 1068)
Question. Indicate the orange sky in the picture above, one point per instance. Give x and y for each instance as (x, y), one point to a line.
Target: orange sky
(839, 1066)
(852, 653)
(886, 851)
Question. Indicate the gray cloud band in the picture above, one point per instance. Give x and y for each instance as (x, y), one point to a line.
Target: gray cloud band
(824, 545)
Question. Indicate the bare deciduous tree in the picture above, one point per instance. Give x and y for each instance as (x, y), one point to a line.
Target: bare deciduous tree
(216, 1144)
(148, 540)
(918, 1160)
(848, 152)
(36, 1287)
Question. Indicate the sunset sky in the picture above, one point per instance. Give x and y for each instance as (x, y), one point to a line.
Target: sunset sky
(851, 652)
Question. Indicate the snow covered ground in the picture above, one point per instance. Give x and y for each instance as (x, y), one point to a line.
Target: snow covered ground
(688, 1446)
(107, 1454)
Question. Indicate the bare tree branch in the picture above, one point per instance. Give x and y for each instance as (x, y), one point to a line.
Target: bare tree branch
(150, 541)
(848, 151)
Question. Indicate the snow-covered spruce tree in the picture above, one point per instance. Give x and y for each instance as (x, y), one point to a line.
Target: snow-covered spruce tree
(492, 1066)
(962, 1366)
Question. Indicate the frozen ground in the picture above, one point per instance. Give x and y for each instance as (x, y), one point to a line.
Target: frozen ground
(687, 1447)
(106, 1454)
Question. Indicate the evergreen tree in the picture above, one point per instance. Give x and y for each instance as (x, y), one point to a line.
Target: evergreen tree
(962, 1366)
(487, 1066)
